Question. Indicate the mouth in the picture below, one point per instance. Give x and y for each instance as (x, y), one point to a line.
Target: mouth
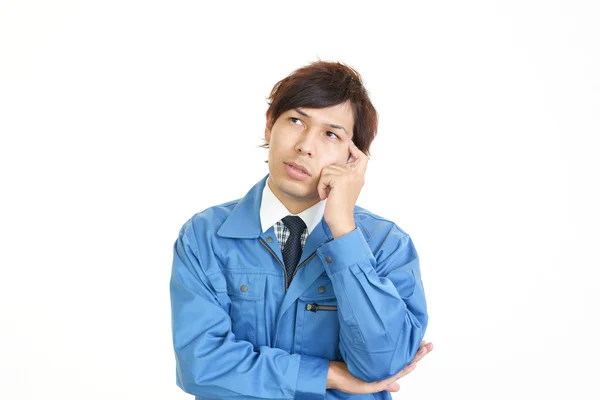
(298, 167)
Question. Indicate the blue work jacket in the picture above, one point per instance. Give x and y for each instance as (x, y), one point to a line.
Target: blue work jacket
(239, 331)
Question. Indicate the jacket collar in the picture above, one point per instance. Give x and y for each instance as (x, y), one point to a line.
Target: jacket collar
(244, 220)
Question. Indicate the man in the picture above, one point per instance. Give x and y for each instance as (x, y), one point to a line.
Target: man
(293, 291)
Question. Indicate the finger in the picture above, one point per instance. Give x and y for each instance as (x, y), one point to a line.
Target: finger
(421, 347)
(389, 383)
(406, 370)
(355, 151)
(330, 177)
(336, 168)
(429, 348)
(358, 158)
(322, 193)
(322, 186)
(423, 351)
(394, 387)
(359, 166)
(413, 364)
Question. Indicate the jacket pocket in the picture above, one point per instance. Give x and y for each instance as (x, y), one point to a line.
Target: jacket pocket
(320, 328)
(247, 313)
(319, 321)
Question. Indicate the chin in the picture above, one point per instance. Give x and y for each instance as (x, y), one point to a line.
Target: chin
(297, 189)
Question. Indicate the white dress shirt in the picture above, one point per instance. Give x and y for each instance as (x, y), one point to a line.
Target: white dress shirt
(272, 211)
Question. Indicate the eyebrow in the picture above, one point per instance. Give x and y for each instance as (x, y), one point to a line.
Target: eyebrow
(334, 126)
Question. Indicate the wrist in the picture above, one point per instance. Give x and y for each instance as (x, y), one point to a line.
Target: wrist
(341, 227)
(332, 375)
(342, 230)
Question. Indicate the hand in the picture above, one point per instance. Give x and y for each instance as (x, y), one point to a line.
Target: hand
(340, 378)
(341, 185)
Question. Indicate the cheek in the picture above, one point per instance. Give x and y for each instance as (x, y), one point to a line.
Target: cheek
(281, 139)
(276, 144)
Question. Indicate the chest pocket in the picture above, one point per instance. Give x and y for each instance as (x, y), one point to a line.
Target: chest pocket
(318, 321)
(247, 294)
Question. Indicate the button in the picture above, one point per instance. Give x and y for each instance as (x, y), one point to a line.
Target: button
(322, 289)
(244, 288)
(269, 239)
(328, 259)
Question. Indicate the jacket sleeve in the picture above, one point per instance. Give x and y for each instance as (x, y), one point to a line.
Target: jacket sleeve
(210, 361)
(381, 301)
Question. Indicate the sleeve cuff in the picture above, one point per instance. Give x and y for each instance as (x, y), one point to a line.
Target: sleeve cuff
(312, 378)
(344, 251)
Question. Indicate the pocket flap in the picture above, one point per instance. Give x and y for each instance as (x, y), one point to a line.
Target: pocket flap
(247, 286)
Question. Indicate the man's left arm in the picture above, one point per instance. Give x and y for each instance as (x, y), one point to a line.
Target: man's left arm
(381, 300)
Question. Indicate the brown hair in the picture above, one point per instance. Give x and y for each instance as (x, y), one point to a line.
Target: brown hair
(324, 84)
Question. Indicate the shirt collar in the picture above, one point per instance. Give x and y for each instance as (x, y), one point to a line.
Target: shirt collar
(273, 210)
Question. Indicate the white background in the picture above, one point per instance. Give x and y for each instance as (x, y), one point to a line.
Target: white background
(121, 119)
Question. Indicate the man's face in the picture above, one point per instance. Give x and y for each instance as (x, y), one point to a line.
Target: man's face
(311, 139)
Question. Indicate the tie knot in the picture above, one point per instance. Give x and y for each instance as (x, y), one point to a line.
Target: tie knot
(294, 224)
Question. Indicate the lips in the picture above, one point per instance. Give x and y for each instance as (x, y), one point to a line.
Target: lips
(299, 167)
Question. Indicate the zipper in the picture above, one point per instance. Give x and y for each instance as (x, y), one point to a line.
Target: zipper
(314, 307)
(278, 260)
(283, 266)
(303, 262)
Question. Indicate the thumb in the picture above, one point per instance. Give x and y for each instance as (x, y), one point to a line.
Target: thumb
(322, 191)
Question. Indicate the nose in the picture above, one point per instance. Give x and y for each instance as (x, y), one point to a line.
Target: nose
(306, 143)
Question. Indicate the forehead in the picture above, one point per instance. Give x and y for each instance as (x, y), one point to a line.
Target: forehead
(340, 114)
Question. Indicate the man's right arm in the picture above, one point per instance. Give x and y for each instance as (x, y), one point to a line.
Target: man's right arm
(211, 362)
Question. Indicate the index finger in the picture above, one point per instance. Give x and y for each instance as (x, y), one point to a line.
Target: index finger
(359, 157)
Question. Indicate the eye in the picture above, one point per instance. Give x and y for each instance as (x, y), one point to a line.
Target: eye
(331, 133)
(296, 121)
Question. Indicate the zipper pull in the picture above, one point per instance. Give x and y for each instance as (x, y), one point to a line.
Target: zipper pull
(312, 307)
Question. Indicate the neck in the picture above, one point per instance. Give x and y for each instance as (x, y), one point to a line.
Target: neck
(293, 204)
